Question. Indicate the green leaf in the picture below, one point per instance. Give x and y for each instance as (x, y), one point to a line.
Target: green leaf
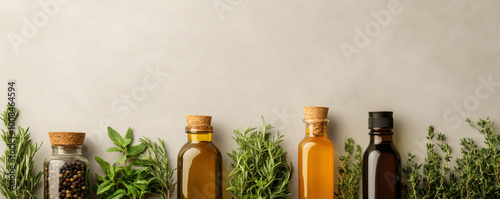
(132, 190)
(105, 186)
(122, 159)
(136, 149)
(115, 137)
(98, 178)
(118, 194)
(104, 165)
(129, 135)
(141, 184)
(115, 149)
(111, 172)
(140, 163)
(126, 142)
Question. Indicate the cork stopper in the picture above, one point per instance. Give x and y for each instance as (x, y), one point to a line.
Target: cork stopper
(316, 118)
(316, 112)
(198, 123)
(66, 138)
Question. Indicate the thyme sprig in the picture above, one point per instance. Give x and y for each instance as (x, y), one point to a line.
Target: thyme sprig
(350, 173)
(260, 168)
(19, 160)
(477, 174)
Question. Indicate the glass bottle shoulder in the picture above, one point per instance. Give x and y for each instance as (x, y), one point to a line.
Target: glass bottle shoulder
(381, 149)
(199, 148)
(313, 142)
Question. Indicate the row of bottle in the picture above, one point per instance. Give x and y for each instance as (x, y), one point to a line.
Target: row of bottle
(199, 164)
(381, 160)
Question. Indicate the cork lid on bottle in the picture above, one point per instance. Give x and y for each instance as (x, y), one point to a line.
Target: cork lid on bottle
(66, 138)
(316, 119)
(198, 123)
(316, 113)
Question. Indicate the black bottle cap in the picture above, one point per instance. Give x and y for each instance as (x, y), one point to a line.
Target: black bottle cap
(380, 119)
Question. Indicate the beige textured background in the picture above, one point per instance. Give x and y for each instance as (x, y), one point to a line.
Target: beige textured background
(83, 65)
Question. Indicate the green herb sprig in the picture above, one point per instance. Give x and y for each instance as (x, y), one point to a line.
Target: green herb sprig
(157, 162)
(350, 173)
(260, 169)
(21, 162)
(477, 174)
(121, 180)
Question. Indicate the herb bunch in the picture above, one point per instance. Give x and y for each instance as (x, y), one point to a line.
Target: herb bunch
(477, 174)
(350, 173)
(121, 180)
(157, 162)
(17, 160)
(260, 169)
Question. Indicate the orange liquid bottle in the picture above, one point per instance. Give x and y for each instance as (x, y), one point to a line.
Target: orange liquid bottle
(316, 169)
(199, 164)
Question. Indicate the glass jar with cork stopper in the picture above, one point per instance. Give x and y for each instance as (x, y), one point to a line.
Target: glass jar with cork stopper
(66, 171)
(199, 164)
(316, 169)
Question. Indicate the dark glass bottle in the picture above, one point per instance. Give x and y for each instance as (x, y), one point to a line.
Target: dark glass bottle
(381, 160)
(199, 165)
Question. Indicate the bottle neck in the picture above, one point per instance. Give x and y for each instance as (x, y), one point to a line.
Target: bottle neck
(75, 150)
(316, 128)
(200, 137)
(381, 136)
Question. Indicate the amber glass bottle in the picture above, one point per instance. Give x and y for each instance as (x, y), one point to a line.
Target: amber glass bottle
(381, 161)
(316, 180)
(199, 164)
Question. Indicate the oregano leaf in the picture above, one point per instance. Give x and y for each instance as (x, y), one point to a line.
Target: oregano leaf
(136, 149)
(114, 149)
(115, 137)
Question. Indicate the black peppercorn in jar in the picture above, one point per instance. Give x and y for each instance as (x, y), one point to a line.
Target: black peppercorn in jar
(66, 171)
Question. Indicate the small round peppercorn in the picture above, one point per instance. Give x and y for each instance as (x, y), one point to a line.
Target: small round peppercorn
(68, 179)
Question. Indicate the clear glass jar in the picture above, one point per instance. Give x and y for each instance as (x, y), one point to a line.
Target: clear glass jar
(66, 173)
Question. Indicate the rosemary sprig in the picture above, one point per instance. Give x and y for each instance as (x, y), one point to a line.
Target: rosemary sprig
(157, 162)
(260, 169)
(21, 161)
(350, 173)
